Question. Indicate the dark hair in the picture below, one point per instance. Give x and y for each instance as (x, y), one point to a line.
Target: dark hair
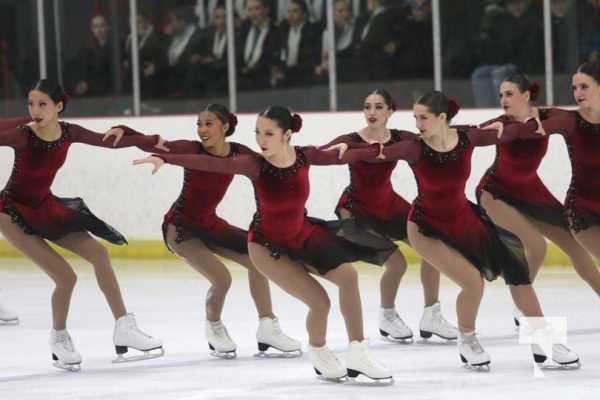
(186, 15)
(302, 4)
(525, 84)
(437, 102)
(223, 114)
(591, 67)
(53, 89)
(387, 98)
(283, 117)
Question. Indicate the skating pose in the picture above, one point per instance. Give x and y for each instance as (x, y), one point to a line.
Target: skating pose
(581, 131)
(514, 196)
(372, 211)
(30, 215)
(286, 247)
(194, 232)
(453, 234)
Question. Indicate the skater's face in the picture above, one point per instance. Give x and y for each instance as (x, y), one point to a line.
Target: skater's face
(586, 91)
(270, 137)
(512, 99)
(376, 111)
(211, 130)
(427, 122)
(42, 109)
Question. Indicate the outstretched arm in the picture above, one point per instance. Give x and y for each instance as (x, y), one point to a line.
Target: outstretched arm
(317, 156)
(240, 165)
(560, 121)
(83, 135)
(14, 137)
(511, 130)
(176, 146)
(7, 123)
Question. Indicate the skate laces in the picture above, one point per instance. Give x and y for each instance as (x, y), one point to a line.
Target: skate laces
(393, 318)
(561, 349)
(220, 330)
(366, 357)
(64, 339)
(132, 328)
(472, 344)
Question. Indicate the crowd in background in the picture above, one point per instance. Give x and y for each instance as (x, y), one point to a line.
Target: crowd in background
(284, 43)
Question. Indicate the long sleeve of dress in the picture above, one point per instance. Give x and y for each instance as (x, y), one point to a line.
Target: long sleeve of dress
(246, 165)
(512, 130)
(82, 135)
(560, 121)
(320, 157)
(7, 123)
(175, 147)
(14, 137)
(407, 150)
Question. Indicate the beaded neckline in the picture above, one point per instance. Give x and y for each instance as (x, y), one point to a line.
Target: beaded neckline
(586, 125)
(441, 157)
(394, 137)
(40, 143)
(292, 170)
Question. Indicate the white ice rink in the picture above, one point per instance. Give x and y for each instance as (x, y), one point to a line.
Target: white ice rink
(167, 299)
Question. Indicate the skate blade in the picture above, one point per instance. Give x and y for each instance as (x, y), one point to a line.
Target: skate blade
(279, 354)
(227, 355)
(390, 339)
(363, 380)
(67, 367)
(549, 366)
(9, 321)
(477, 368)
(146, 355)
(342, 379)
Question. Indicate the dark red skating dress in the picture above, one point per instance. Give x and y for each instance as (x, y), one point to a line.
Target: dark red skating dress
(194, 213)
(513, 178)
(582, 203)
(27, 197)
(280, 222)
(442, 210)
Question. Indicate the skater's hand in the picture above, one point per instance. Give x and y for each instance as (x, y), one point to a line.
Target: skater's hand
(341, 147)
(116, 132)
(156, 161)
(540, 128)
(161, 144)
(380, 155)
(499, 126)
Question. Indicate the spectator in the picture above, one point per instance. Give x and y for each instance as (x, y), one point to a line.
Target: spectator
(214, 52)
(346, 37)
(258, 46)
(183, 54)
(300, 48)
(95, 72)
(378, 48)
(512, 42)
(152, 47)
(414, 58)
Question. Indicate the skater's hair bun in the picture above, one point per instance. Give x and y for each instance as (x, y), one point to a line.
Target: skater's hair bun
(437, 102)
(283, 118)
(592, 67)
(224, 115)
(525, 84)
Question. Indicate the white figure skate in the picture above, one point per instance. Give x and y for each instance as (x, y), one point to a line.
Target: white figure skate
(561, 354)
(128, 335)
(8, 316)
(391, 326)
(219, 340)
(360, 361)
(326, 364)
(471, 352)
(63, 350)
(269, 334)
(434, 323)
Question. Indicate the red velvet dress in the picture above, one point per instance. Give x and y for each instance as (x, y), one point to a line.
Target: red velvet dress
(513, 178)
(27, 197)
(442, 210)
(194, 213)
(280, 222)
(582, 203)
